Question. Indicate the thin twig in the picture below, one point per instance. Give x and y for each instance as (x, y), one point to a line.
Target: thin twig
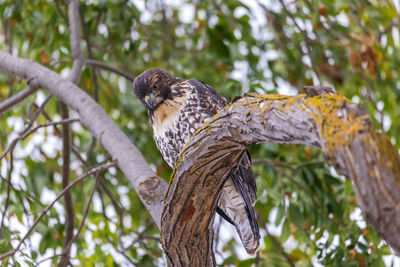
(26, 134)
(140, 236)
(275, 164)
(8, 193)
(89, 55)
(60, 12)
(17, 98)
(76, 181)
(68, 246)
(73, 148)
(305, 35)
(49, 258)
(37, 113)
(27, 195)
(280, 248)
(107, 67)
(118, 205)
(281, 164)
(93, 76)
(121, 252)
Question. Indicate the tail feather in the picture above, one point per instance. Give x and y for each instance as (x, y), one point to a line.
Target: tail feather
(241, 214)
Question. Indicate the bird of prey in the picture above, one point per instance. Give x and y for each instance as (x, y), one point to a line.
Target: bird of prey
(177, 108)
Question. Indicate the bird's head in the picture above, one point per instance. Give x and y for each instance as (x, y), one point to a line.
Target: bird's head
(152, 87)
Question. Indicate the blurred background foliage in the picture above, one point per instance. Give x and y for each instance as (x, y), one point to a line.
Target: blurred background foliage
(307, 214)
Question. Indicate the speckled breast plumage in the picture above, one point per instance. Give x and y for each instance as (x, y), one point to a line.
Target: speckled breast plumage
(186, 116)
(175, 121)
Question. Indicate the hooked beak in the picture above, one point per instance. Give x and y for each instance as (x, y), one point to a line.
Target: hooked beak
(149, 100)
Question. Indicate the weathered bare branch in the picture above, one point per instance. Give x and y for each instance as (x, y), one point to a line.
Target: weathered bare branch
(331, 122)
(150, 188)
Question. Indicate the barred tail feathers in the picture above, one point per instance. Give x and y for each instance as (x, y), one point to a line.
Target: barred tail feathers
(242, 216)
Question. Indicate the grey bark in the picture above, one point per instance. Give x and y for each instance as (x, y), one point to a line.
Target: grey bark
(15, 99)
(150, 188)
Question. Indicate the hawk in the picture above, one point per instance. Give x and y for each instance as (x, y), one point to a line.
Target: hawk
(177, 108)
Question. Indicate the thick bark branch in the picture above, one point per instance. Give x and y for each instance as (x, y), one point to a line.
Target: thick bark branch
(331, 122)
(150, 188)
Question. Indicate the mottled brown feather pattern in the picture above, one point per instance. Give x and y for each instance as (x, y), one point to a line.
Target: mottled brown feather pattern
(167, 113)
(186, 105)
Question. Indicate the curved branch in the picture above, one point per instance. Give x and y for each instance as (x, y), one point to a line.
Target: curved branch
(105, 66)
(150, 188)
(331, 122)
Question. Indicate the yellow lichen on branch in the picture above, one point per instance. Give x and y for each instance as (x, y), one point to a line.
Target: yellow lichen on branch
(329, 121)
(336, 127)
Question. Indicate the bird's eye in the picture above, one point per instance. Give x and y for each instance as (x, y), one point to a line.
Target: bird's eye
(155, 86)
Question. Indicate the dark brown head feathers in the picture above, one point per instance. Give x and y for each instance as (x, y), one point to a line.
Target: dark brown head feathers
(152, 87)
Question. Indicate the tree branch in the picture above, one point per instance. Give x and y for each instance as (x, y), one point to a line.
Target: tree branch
(74, 28)
(93, 76)
(71, 241)
(10, 170)
(15, 99)
(74, 76)
(105, 66)
(331, 122)
(278, 245)
(150, 188)
(69, 205)
(60, 11)
(26, 134)
(76, 181)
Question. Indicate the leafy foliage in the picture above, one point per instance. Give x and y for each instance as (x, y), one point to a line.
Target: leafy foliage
(306, 213)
